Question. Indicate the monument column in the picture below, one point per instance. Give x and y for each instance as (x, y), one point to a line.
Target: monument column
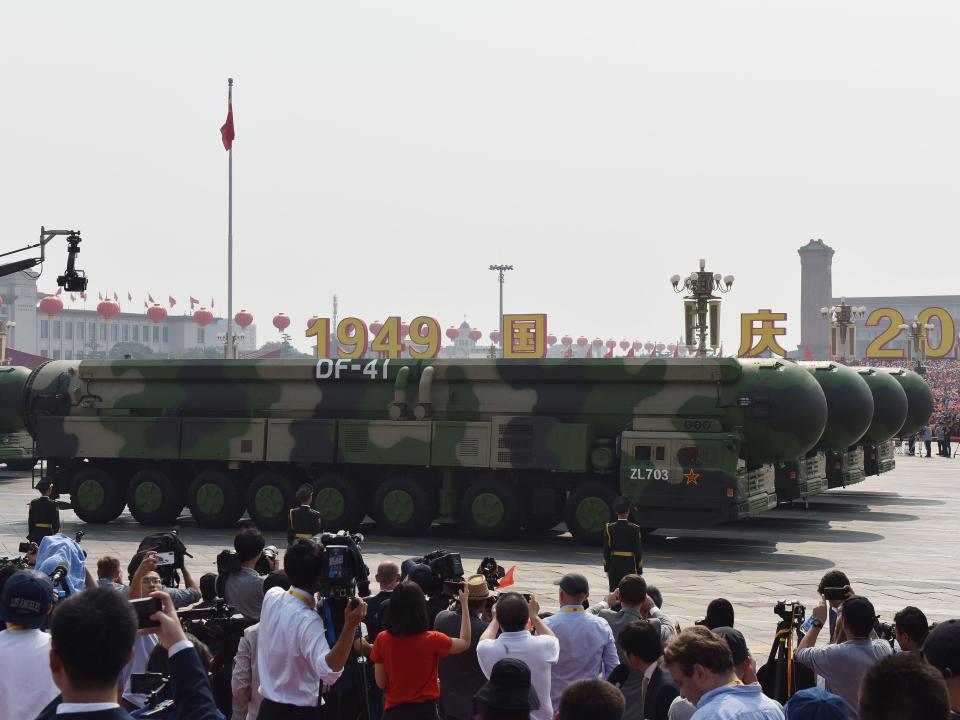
(816, 291)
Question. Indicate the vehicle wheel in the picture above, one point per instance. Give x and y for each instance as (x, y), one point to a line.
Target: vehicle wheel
(491, 509)
(588, 511)
(542, 522)
(96, 495)
(20, 465)
(214, 499)
(403, 506)
(269, 497)
(338, 502)
(153, 496)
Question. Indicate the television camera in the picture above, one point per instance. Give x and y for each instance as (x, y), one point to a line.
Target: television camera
(72, 280)
(782, 676)
(343, 573)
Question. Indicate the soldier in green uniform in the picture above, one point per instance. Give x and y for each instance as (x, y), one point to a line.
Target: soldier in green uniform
(621, 545)
(303, 522)
(44, 516)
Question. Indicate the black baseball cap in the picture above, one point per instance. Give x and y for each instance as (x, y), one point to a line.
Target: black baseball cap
(573, 584)
(942, 648)
(26, 599)
(736, 642)
(304, 492)
(509, 687)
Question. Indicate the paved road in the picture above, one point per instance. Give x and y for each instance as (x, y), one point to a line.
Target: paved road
(896, 537)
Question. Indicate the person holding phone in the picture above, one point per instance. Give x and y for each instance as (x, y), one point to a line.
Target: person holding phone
(407, 654)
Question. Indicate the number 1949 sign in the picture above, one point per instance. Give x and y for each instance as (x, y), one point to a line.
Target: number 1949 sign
(528, 335)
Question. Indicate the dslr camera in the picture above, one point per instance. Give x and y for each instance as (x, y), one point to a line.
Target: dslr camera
(790, 611)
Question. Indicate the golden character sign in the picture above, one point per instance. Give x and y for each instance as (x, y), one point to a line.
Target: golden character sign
(761, 325)
(525, 336)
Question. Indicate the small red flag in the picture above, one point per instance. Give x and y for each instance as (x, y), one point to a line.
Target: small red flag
(72, 298)
(226, 132)
(83, 295)
(609, 354)
(150, 298)
(720, 351)
(589, 352)
(100, 295)
(145, 304)
(172, 300)
(211, 302)
(507, 580)
(115, 297)
(129, 296)
(630, 353)
(59, 290)
(193, 301)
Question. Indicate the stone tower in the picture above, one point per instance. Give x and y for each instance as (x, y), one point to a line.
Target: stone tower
(816, 291)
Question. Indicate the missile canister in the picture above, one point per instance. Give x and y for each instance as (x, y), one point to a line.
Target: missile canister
(919, 400)
(849, 404)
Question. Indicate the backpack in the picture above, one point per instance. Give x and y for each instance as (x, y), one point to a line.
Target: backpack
(162, 542)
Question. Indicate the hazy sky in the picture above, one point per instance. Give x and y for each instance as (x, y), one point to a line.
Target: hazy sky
(391, 151)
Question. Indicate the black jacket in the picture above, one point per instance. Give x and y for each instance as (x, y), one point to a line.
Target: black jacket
(191, 694)
(302, 521)
(43, 512)
(660, 693)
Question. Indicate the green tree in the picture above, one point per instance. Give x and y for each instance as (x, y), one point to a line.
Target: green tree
(136, 351)
(211, 352)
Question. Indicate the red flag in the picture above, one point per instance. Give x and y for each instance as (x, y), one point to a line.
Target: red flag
(129, 296)
(507, 580)
(150, 298)
(100, 295)
(72, 298)
(609, 354)
(676, 350)
(720, 351)
(807, 353)
(568, 353)
(226, 132)
(115, 297)
(630, 353)
(193, 301)
(83, 295)
(589, 352)
(145, 304)
(211, 303)
(59, 290)
(172, 300)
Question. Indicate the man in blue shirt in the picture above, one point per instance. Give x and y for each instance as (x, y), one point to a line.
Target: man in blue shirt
(701, 664)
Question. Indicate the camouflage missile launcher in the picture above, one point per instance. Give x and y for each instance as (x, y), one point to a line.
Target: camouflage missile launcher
(889, 415)
(493, 445)
(849, 414)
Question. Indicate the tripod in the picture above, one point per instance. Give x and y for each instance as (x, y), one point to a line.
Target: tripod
(349, 698)
(781, 676)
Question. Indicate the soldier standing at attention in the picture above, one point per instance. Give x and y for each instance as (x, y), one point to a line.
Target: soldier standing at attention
(621, 545)
(303, 522)
(44, 516)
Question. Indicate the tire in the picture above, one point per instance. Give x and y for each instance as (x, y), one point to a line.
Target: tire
(97, 495)
(492, 509)
(338, 502)
(588, 510)
(269, 497)
(214, 499)
(154, 497)
(403, 506)
(21, 465)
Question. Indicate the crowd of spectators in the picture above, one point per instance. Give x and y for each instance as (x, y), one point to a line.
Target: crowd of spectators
(486, 654)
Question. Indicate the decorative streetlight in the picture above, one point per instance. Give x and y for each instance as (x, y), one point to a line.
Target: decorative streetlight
(235, 340)
(501, 269)
(843, 330)
(917, 333)
(698, 303)
(5, 327)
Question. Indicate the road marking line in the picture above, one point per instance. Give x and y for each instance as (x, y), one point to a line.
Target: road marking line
(768, 562)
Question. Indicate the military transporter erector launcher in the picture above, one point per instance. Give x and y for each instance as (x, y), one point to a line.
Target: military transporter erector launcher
(494, 445)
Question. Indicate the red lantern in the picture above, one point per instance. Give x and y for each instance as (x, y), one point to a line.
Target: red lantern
(281, 322)
(611, 344)
(51, 305)
(1, 300)
(243, 319)
(566, 341)
(637, 345)
(582, 341)
(108, 309)
(551, 340)
(156, 313)
(624, 344)
(375, 326)
(311, 321)
(648, 346)
(495, 336)
(475, 335)
(203, 317)
(597, 342)
(452, 333)
(671, 347)
(659, 347)
(404, 330)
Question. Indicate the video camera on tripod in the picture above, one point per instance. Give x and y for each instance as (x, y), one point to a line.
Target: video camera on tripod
(781, 676)
(343, 573)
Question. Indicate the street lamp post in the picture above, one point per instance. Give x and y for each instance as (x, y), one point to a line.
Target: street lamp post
(230, 350)
(699, 303)
(843, 330)
(917, 333)
(501, 269)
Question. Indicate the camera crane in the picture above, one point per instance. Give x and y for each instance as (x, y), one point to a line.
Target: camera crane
(72, 280)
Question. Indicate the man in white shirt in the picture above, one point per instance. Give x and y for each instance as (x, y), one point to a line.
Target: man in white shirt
(25, 683)
(587, 647)
(540, 652)
(293, 658)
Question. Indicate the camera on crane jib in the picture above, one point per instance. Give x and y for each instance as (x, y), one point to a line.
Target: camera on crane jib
(343, 573)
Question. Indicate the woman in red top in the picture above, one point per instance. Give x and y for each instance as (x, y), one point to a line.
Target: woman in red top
(406, 655)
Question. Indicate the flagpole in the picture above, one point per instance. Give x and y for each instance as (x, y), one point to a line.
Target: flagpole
(229, 345)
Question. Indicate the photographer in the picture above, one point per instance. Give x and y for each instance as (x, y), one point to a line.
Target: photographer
(243, 589)
(911, 628)
(108, 573)
(146, 579)
(843, 665)
(460, 675)
(294, 658)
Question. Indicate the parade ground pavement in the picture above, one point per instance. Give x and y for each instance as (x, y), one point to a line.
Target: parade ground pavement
(896, 537)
